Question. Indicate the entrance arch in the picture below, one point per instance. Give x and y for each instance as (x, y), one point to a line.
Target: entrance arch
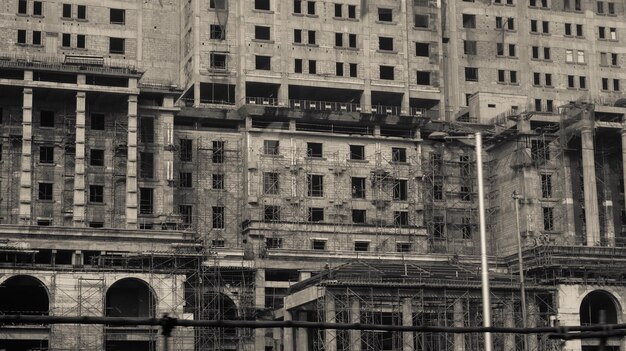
(598, 305)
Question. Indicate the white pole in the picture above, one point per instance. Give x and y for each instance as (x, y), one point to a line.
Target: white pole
(516, 197)
(483, 242)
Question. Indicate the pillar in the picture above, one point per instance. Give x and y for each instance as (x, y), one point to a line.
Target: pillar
(533, 316)
(131, 165)
(287, 333)
(509, 322)
(26, 191)
(330, 335)
(259, 303)
(355, 317)
(590, 188)
(302, 338)
(196, 94)
(407, 321)
(624, 162)
(166, 121)
(79, 166)
(458, 315)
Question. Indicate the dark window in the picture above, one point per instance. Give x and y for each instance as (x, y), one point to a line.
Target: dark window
(311, 8)
(546, 186)
(438, 192)
(439, 226)
(273, 243)
(263, 62)
(46, 154)
(600, 5)
(45, 191)
(97, 121)
(385, 15)
(422, 49)
(185, 180)
(218, 151)
(466, 193)
(311, 37)
(616, 84)
(338, 8)
(297, 6)
(186, 150)
(67, 11)
(271, 147)
(423, 78)
(262, 5)
(548, 79)
(535, 52)
(352, 40)
(21, 36)
(217, 4)
(361, 246)
(398, 154)
(316, 214)
(357, 152)
(81, 12)
(548, 218)
(469, 47)
(217, 181)
(146, 165)
(218, 217)
(319, 244)
(545, 26)
(96, 224)
(339, 69)
(469, 21)
(312, 67)
(116, 45)
(568, 29)
(186, 214)
(96, 194)
(421, 21)
(353, 70)
(117, 16)
(339, 39)
(466, 228)
(385, 43)
(80, 41)
(611, 8)
(66, 40)
(358, 188)
(218, 60)
(351, 11)
(217, 32)
(297, 66)
(513, 77)
(315, 185)
(262, 32)
(271, 213)
(314, 150)
(400, 189)
(498, 22)
(46, 118)
(400, 218)
(37, 8)
(96, 157)
(403, 247)
(358, 216)
(386, 72)
(501, 75)
(36, 37)
(546, 53)
(22, 7)
(579, 30)
(499, 49)
(146, 130)
(297, 35)
(271, 183)
(471, 74)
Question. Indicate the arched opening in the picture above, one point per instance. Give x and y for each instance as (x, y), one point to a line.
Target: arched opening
(211, 305)
(222, 307)
(130, 297)
(24, 295)
(596, 308)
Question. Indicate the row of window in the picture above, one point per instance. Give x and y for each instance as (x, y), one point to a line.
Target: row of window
(320, 244)
(512, 77)
(602, 7)
(116, 45)
(116, 16)
(315, 150)
(272, 213)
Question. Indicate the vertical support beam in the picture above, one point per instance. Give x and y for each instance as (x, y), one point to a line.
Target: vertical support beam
(79, 166)
(459, 321)
(131, 165)
(302, 338)
(407, 321)
(166, 121)
(590, 188)
(355, 317)
(287, 333)
(26, 191)
(532, 323)
(259, 303)
(330, 335)
(509, 322)
(624, 161)
(365, 72)
(404, 23)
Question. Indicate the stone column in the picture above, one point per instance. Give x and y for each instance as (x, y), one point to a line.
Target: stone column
(532, 312)
(26, 180)
(131, 165)
(624, 161)
(166, 121)
(355, 317)
(287, 334)
(407, 321)
(459, 321)
(79, 166)
(330, 335)
(590, 188)
(302, 338)
(509, 322)
(259, 303)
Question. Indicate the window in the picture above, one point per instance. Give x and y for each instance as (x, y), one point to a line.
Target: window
(422, 49)
(353, 70)
(217, 32)
(311, 37)
(466, 228)
(423, 78)
(217, 217)
(421, 21)
(311, 8)
(297, 36)
(218, 60)
(568, 29)
(46, 154)
(611, 8)
(579, 30)
(186, 150)
(316, 214)
(339, 69)
(96, 194)
(438, 191)
(538, 105)
(262, 5)
(338, 8)
(36, 37)
(546, 186)
(263, 62)
(314, 150)
(535, 52)
(499, 22)
(37, 8)
(339, 39)
(398, 154)
(536, 78)
(616, 85)
(67, 11)
(569, 55)
(297, 66)
(80, 41)
(400, 218)
(21, 36)
(45, 191)
(501, 78)
(217, 4)
(117, 16)
(261, 33)
(600, 7)
(385, 15)
(361, 246)
(512, 50)
(469, 47)
(185, 180)
(271, 147)
(46, 118)
(357, 152)
(217, 181)
(271, 185)
(548, 79)
(602, 32)
(469, 21)
(146, 130)
(548, 218)
(81, 12)
(186, 214)
(358, 188)
(96, 157)
(546, 53)
(545, 27)
(403, 247)
(438, 227)
(614, 61)
(22, 7)
(146, 165)
(146, 198)
(116, 45)
(471, 74)
(271, 213)
(315, 185)
(386, 72)
(297, 6)
(312, 67)
(273, 243)
(218, 151)
(96, 224)
(385, 43)
(499, 49)
(581, 56)
(97, 121)
(318, 244)
(351, 11)
(510, 23)
(358, 216)
(400, 189)
(570, 81)
(352, 40)
(66, 40)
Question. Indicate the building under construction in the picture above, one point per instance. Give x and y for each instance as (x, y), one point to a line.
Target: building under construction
(309, 160)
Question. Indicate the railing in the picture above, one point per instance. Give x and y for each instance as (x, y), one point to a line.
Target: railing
(58, 62)
(265, 101)
(324, 106)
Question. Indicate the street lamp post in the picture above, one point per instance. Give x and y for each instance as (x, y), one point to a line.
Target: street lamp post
(522, 283)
